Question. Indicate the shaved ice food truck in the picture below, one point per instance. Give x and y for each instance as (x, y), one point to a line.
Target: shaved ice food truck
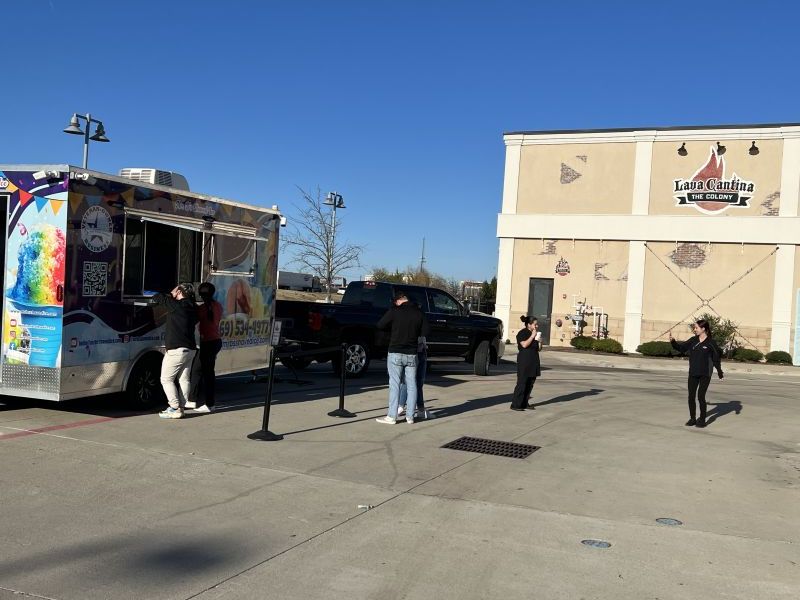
(85, 251)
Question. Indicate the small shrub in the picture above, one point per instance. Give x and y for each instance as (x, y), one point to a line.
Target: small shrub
(582, 342)
(724, 332)
(747, 355)
(779, 357)
(657, 349)
(607, 345)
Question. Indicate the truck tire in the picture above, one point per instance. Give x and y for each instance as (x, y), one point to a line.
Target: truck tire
(295, 364)
(144, 390)
(483, 358)
(356, 360)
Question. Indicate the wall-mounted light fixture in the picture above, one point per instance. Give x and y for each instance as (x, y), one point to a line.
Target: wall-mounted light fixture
(48, 175)
(720, 149)
(208, 221)
(682, 151)
(753, 150)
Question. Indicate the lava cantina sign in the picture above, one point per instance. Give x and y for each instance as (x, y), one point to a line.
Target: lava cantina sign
(709, 191)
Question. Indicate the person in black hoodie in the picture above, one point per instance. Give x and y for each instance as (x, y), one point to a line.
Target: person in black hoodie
(180, 345)
(407, 324)
(704, 357)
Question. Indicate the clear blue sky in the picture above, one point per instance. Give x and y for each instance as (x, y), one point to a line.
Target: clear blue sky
(399, 106)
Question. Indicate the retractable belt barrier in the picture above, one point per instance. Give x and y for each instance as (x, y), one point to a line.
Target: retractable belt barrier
(264, 434)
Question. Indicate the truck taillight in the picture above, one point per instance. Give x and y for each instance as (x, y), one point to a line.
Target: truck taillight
(314, 321)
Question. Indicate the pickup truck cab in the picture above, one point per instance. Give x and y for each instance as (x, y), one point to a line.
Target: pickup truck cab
(454, 331)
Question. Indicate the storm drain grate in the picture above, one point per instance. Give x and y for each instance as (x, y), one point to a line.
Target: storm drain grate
(494, 447)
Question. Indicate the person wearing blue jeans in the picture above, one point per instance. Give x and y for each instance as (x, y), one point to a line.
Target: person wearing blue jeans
(422, 365)
(407, 323)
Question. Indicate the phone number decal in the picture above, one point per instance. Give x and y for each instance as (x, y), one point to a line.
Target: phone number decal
(243, 329)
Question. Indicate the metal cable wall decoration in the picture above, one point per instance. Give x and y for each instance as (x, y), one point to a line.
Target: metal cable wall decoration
(706, 302)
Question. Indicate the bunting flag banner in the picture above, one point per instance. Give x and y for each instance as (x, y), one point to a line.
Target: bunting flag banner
(40, 203)
(24, 197)
(75, 202)
(93, 200)
(228, 209)
(55, 205)
(111, 198)
(127, 195)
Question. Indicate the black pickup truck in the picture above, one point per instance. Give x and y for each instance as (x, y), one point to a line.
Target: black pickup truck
(454, 331)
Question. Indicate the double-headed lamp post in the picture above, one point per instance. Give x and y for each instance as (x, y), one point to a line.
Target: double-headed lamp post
(335, 201)
(75, 129)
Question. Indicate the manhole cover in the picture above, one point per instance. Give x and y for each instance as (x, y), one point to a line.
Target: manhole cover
(668, 521)
(596, 543)
(494, 447)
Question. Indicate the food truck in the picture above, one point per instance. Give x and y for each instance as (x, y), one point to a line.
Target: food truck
(85, 251)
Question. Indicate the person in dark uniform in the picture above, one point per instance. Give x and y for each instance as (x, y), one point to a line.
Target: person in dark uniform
(704, 357)
(528, 368)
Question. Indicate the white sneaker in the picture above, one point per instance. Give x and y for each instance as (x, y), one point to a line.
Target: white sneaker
(171, 413)
(190, 404)
(409, 419)
(204, 408)
(401, 410)
(387, 420)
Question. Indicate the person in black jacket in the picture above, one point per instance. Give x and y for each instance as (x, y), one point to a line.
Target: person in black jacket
(180, 345)
(528, 367)
(407, 324)
(704, 357)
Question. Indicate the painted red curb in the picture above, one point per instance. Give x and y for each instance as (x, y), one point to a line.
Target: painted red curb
(18, 434)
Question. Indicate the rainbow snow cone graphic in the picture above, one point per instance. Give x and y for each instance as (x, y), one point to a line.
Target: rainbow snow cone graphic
(38, 295)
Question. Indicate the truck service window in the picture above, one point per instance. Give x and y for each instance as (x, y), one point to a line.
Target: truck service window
(159, 256)
(232, 255)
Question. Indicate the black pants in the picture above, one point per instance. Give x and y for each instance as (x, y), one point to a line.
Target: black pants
(208, 360)
(522, 391)
(698, 386)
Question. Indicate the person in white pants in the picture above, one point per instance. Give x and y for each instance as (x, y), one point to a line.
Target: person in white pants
(179, 342)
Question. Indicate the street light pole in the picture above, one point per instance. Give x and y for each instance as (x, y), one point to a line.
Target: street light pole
(75, 129)
(335, 201)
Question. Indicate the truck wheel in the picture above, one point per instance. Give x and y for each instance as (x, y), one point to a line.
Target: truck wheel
(295, 364)
(483, 357)
(144, 384)
(356, 360)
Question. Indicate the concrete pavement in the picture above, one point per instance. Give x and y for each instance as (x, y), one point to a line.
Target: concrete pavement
(129, 506)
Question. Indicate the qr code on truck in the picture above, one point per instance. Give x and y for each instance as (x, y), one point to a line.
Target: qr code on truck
(95, 278)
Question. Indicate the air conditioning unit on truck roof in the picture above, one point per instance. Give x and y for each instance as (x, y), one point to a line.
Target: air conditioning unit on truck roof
(157, 176)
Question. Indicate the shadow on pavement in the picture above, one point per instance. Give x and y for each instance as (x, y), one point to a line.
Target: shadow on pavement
(569, 397)
(720, 409)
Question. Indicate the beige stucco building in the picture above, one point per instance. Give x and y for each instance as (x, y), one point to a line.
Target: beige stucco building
(651, 228)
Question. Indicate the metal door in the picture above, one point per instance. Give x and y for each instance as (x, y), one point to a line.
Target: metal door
(540, 304)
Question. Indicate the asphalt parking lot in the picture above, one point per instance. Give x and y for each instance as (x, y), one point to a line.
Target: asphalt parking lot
(102, 503)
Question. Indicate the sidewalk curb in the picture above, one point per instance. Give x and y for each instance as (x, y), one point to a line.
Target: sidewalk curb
(613, 361)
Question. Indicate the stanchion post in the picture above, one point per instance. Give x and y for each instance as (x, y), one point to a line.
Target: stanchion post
(341, 412)
(264, 434)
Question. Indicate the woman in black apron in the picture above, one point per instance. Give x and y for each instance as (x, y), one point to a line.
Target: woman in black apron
(528, 369)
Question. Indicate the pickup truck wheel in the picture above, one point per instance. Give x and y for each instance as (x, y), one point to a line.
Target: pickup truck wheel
(356, 360)
(483, 357)
(144, 384)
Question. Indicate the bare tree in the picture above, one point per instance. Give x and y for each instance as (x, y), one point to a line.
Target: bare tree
(313, 242)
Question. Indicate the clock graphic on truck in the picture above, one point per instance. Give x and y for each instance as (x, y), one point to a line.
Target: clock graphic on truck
(96, 229)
